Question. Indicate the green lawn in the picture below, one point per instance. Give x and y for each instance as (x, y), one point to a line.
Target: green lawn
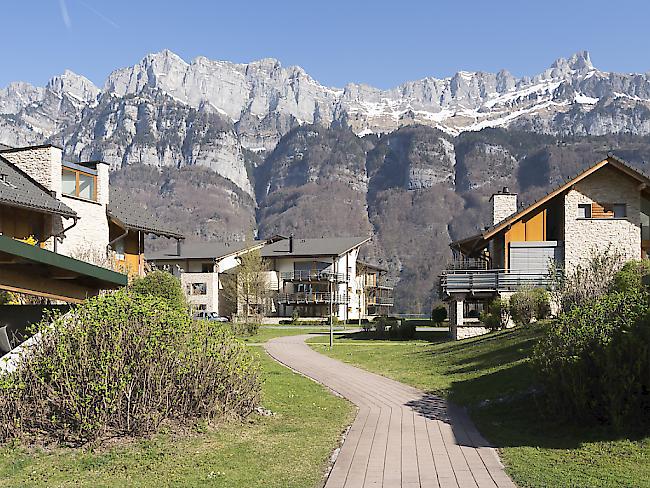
(490, 375)
(266, 333)
(288, 450)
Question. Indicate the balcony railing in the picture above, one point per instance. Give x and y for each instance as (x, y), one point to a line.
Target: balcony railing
(314, 298)
(386, 301)
(492, 280)
(308, 275)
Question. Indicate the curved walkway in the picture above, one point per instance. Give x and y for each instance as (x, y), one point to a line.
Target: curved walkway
(401, 437)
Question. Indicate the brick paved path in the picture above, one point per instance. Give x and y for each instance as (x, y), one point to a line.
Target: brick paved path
(401, 437)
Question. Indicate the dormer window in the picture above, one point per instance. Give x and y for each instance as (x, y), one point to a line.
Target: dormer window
(78, 181)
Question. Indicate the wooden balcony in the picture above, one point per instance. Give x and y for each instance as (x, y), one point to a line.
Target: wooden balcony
(491, 280)
(313, 298)
(382, 301)
(308, 275)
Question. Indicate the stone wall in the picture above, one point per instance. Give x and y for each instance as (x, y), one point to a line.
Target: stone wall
(503, 205)
(468, 330)
(91, 232)
(42, 163)
(211, 298)
(585, 237)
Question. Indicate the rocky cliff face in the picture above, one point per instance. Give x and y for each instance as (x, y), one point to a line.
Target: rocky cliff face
(261, 101)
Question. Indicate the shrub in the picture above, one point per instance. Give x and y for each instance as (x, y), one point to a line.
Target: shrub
(401, 331)
(594, 361)
(497, 315)
(122, 364)
(629, 278)
(163, 285)
(244, 329)
(528, 304)
(586, 282)
(439, 314)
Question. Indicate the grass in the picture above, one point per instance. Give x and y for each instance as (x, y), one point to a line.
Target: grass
(492, 377)
(289, 449)
(266, 333)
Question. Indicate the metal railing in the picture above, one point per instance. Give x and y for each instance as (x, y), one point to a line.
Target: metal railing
(467, 263)
(492, 280)
(388, 301)
(309, 275)
(312, 298)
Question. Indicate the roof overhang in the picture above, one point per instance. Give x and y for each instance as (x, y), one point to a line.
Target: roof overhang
(35, 271)
(146, 230)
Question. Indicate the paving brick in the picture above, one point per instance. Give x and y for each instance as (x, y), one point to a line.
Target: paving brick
(401, 437)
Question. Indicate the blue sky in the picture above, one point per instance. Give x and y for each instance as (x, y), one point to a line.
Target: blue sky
(376, 42)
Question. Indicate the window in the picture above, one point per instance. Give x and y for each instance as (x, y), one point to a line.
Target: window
(198, 289)
(77, 183)
(207, 268)
(584, 211)
(620, 210)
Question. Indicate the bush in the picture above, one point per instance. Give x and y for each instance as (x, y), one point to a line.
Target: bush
(439, 314)
(163, 285)
(629, 278)
(244, 329)
(497, 315)
(586, 282)
(594, 361)
(528, 304)
(123, 364)
(402, 331)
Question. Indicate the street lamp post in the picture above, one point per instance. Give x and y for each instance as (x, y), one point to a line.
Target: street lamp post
(331, 280)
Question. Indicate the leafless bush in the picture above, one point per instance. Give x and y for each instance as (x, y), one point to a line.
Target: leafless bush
(586, 282)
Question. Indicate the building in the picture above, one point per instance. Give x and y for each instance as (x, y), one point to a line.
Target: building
(30, 219)
(605, 206)
(99, 220)
(378, 289)
(308, 277)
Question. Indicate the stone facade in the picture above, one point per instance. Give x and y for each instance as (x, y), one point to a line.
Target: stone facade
(503, 205)
(468, 330)
(208, 301)
(583, 237)
(91, 232)
(42, 163)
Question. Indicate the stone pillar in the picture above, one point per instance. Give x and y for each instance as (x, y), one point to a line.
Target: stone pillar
(456, 314)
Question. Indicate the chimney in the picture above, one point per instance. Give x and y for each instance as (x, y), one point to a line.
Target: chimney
(504, 204)
(43, 163)
(179, 247)
(291, 244)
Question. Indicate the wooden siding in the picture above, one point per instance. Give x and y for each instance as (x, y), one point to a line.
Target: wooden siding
(604, 211)
(529, 230)
(22, 223)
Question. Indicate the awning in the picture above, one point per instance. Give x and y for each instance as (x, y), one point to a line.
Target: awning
(35, 271)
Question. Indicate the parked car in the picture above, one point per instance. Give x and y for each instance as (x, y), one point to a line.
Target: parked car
(210, 316)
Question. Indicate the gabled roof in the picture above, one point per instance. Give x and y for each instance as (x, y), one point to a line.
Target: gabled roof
(129, 215)
(18, 189)
(478, 241)
(325, 246)
(203, 250)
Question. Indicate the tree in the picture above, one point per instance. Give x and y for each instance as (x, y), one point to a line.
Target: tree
(249, 290)
(439, 314)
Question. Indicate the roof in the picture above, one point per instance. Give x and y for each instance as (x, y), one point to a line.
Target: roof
(18, 189)
(479, 240)
(325, 246)
(203, 250)
(50, 274)
(129, 215)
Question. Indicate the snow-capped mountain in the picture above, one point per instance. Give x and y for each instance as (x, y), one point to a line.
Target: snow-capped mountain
(165, 111)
